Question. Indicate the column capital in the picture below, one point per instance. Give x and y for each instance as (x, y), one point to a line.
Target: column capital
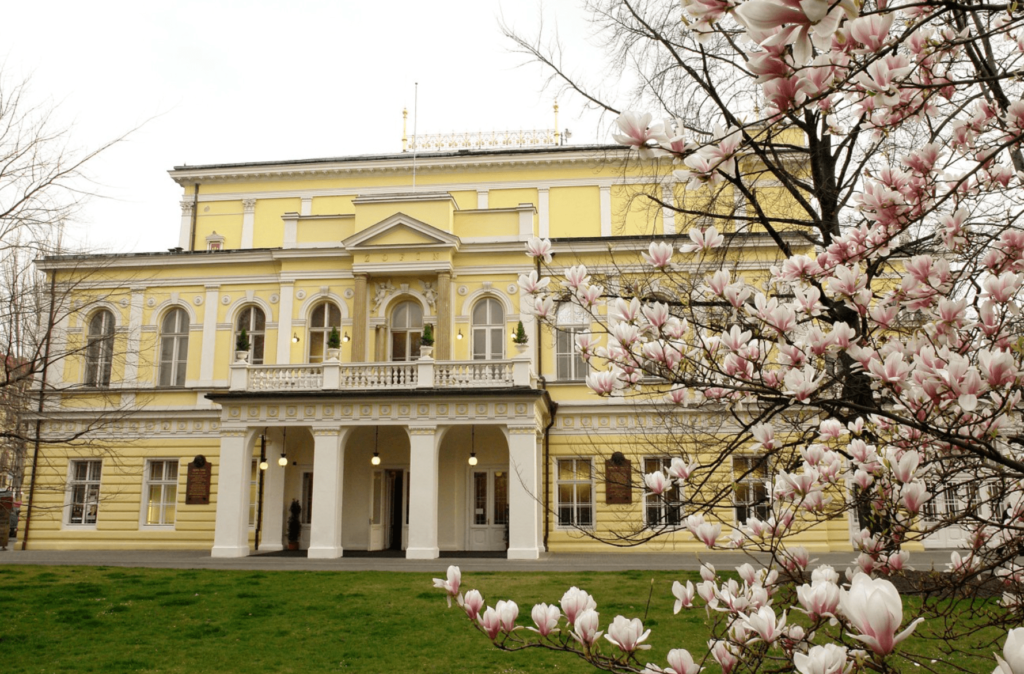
(422, 430)
(248, 205)
(326, 431)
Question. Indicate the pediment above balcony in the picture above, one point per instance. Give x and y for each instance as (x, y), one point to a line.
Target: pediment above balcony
(401, 244)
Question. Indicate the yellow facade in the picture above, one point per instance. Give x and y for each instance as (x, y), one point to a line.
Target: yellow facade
(356, 241)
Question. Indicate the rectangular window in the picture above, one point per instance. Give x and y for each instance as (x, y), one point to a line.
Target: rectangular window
(666, 509)
(307, 498)
(161, 491)
(85, 491)
(752, 485)
(575, 487)
(569, 364)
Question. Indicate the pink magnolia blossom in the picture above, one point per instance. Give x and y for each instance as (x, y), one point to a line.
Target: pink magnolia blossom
(656, 482)
(576, 276)
(680, 469)
(826, 659)
(507, 611)
(472, 603)
(1012, 660)
(724, 655)
(574, 602)
(530, 283)
(539, 248)
(637, 130)
(683, 595)
(874, 608)
(585, 628)
(628, 634)
(801, 384)
(681, 662)
(766, 624)
(490, 621)
(659, 254)
(451, 583)
(819, 599)
(545, 618)
(703, 240)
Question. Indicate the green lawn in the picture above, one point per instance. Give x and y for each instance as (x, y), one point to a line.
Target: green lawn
(85, 619)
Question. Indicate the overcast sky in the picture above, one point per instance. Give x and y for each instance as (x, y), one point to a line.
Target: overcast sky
(222, 81)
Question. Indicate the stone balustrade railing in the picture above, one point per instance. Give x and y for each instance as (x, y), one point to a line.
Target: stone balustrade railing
(333, 375)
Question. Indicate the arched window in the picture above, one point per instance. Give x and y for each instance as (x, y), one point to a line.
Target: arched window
(406, 330)
(254, 322)
(488, 330)
(173, 347)
(326, 315)
(99, 349)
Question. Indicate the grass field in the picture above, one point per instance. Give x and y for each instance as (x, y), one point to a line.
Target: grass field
(88, 619)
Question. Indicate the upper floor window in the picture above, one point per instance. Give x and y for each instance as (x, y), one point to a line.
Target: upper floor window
(173, 347)
(254, 322)
(326, 315)
(488, 330)
(571, 320)
(99, 348)
(406, 330)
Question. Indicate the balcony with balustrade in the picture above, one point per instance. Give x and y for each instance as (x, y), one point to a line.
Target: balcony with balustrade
(426, 373)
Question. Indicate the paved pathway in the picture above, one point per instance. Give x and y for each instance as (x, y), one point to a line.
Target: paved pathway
(602, 561)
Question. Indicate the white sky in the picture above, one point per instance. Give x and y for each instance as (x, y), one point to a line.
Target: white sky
(229, 81)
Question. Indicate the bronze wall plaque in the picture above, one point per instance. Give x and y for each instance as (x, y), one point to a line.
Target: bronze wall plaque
(197, 487)
(617, 487)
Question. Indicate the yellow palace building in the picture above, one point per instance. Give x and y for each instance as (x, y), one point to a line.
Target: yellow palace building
(482, 444)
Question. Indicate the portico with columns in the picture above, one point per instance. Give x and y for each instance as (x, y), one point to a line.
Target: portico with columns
(451, 472)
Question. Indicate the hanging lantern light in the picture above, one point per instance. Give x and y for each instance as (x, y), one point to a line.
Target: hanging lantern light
(376, 455)
(472, 446)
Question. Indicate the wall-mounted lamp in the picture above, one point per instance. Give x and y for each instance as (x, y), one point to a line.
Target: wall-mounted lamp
(472, 446)
(264, 465)
(459, 336)
(376, 455)
(345, 338)
(295, 338)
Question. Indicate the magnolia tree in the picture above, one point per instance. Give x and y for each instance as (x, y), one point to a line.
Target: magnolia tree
(874, 359)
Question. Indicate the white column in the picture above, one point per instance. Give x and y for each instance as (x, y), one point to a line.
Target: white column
(272, 528)
(606, 210)
(209, 335)
(185, 230)
(543, 213)
(526, 524)
(248, 222)
(231, 534)
(329, 468)
(482, 199)
(668, 215)
(284, 323)
(423, 492)
(131, 358)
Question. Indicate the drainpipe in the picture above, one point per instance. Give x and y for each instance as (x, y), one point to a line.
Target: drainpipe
(39, 410)
(195, 215)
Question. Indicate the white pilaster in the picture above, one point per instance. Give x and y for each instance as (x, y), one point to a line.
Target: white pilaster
(231, 532)
(185, 229)
(131, 357)
(329, 467)
(481, 199)
(606, 210)
(306, 207)
(526, 524)
(291, 229)
(423, 491)
(209, 335)
(272, 529)
(284, 324)
(248, 222)
(543, 213)
(526, 212)
(668, 215)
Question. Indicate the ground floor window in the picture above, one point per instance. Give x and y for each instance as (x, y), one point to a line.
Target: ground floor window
(161, 492)
(575, 486)
(85, 491)
(752, 485)
(666, 509)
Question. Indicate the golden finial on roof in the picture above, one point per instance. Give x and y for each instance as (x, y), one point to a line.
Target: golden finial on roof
(405, 138)
(557, 135)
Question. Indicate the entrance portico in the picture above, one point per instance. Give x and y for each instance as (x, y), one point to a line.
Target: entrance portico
(419, 496)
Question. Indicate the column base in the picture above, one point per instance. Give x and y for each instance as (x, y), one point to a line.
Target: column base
(270, 547)
(229, 551)
(422, 553)
(324, 553)
(524, 553)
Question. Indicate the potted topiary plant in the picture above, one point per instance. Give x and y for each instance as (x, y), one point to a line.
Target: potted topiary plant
(427, 341)
(520, 339)
(333, 344)
(242, 346)
(294, 524)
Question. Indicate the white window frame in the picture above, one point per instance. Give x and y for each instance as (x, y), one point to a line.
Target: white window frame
(319, 334)
(162, 482)
(176, 365)
(99, 349)
(667, 501)
(91, 480)
(574, 504)
(570, 320)
(490, 333)
(761, 509)
(413, 333)
(251, 332)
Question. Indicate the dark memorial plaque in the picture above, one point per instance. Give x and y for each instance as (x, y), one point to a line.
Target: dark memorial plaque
(197, 487)
(617, 488)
